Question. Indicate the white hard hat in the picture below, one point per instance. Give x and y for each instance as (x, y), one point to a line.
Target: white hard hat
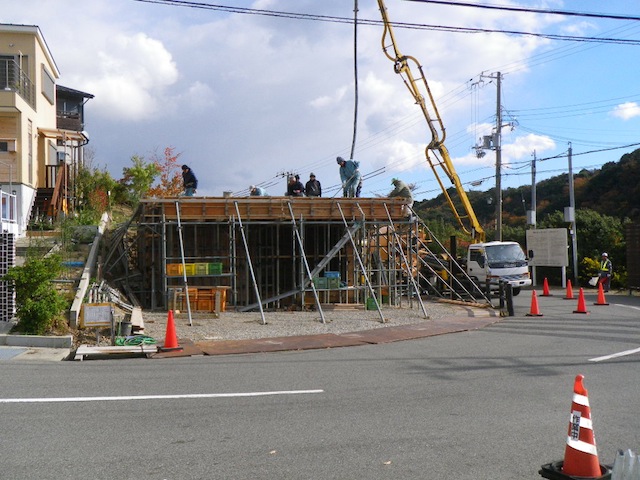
(604, 254)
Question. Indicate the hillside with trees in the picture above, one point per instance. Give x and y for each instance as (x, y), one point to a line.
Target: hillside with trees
(606, 199)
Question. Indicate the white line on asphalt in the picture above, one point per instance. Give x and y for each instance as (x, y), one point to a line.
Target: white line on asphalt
(626, 306)
(156, 397)
(615, 355)
(619, 354)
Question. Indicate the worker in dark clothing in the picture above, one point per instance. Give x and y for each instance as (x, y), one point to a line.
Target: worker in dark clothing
(606, 272)
(295, 187)
(313, 187)
(189, 181)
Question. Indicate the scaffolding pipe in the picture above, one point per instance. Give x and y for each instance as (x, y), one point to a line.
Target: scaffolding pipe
(366, 278)
(406, 262)
(184, 269)
(306, 264)
(253, 275)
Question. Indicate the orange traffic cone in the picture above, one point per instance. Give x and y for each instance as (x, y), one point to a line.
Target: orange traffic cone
(569, 295)
(581, 455)
(601, 299)
(545, 288)
(582, 307)
(171, 339)
(534, 311)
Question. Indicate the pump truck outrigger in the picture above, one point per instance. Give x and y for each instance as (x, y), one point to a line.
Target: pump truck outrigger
(485, 262)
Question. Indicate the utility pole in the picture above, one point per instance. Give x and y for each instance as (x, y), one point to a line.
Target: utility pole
(570, 216)
(531, 220)
(494, 142)
(498, 146)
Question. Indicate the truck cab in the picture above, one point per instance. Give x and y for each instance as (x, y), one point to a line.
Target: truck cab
(498, 261)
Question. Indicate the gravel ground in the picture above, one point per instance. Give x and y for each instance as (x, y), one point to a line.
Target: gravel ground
(241, 326)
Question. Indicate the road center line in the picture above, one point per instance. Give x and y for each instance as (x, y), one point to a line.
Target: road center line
(615, 355)
(156, 397)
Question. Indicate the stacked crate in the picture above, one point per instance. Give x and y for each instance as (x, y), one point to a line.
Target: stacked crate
(333, 280)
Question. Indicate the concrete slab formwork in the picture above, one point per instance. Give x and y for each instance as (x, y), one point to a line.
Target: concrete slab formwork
(346, 241)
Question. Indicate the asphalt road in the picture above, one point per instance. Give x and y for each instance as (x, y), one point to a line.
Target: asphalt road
(486, 404)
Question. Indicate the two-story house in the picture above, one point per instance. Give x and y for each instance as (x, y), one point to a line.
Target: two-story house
(41, 132)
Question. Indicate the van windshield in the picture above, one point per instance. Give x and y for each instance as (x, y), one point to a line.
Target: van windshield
(505, 256)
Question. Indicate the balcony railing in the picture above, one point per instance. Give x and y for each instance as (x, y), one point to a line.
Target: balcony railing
(12, 78)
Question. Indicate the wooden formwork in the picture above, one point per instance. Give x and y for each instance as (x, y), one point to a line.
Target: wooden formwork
(280, 252)
(277, 208)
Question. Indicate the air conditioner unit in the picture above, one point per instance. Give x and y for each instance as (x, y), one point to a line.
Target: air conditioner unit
(7, 145)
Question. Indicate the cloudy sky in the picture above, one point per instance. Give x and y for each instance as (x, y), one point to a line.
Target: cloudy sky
(268, 88)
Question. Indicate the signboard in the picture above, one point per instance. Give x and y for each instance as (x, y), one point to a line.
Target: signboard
(548, 247)
(97, 315)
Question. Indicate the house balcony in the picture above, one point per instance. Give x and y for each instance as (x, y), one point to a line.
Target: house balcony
(13, 79)
(69, 121)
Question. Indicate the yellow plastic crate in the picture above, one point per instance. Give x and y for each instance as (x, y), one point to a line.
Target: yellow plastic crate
(174, 269)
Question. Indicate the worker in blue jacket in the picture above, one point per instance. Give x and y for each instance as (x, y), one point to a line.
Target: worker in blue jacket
(349, 176)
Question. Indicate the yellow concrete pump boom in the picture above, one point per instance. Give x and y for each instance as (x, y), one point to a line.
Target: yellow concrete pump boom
(436, 152)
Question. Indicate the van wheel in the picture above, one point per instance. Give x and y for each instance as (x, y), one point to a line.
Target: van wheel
(516, 291)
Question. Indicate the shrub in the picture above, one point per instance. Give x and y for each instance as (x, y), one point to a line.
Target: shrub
(39, 304)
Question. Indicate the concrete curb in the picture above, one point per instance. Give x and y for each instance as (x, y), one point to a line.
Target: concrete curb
(36, 341)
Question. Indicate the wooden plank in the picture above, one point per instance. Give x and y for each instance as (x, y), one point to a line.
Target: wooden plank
(89, 350)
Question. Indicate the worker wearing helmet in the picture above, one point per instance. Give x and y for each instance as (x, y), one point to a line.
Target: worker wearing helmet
(605, 272)
(349, 176)
(257, 191)
(402, 190)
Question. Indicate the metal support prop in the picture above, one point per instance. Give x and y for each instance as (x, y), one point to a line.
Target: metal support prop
(449, 271)
(184, 269)
(406, 262)
(306, 264)
(253, 275)
(366, 278)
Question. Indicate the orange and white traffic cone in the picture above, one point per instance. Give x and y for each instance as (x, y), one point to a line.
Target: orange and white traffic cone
(582, 306)
(601, 299)
(545, 288)
(580, 455)
(569, 295)
(534, 311)
(171, 339)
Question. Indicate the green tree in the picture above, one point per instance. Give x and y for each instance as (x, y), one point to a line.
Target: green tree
(136, 180)
(93, 188)
(39, 304)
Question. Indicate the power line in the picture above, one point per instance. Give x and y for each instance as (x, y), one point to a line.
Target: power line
(407, 25)
(532, 10)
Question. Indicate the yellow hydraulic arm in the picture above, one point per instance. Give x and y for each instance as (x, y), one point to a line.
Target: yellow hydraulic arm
(436, 152)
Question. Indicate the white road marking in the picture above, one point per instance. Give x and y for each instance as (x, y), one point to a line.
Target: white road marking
(615, 355)
(626, 306)
(619, 354)
(156, 397)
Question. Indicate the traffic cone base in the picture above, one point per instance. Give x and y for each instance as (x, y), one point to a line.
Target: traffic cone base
(601, 299)
(569, 295)
(553, 471)
(545, 288)
(534, 311)
(171, 339)
(582, 307)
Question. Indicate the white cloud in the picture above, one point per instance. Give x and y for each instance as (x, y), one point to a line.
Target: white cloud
(129, 79)
(626, 111)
